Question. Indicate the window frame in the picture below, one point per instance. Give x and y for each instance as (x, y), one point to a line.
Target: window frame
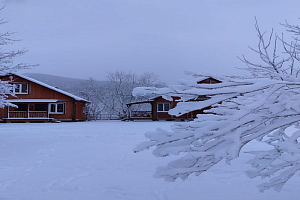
(163, 107)
(56, 108)
(20, 86)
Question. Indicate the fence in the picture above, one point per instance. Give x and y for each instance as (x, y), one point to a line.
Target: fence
(103, 117)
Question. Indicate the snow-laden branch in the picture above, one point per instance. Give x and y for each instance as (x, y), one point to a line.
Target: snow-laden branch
(240, 111)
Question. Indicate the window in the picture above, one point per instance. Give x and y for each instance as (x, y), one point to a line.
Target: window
(56, 108)
(163, 107)
(20, 88)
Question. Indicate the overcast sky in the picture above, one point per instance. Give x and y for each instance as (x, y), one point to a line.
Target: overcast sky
(88, 38)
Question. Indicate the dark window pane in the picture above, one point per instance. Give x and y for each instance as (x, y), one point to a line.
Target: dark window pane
(166, 107)
(24, 88)
(17, 88)
(160, 107)
(52, 108)
(60, 107)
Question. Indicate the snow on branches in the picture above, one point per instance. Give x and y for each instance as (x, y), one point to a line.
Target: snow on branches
(243, 110)
(5, 89)
(7, 65)
(264, 109)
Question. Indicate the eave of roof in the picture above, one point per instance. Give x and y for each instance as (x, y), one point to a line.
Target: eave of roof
(32, 100)
(139, 102)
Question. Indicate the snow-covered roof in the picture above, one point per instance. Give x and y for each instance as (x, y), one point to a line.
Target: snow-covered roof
(51, 87)
(32, 100)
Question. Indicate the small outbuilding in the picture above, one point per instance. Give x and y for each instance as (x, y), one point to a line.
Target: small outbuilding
(159, 107)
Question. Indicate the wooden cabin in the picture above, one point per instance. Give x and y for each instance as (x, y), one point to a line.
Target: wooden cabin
(38, 102)
(159, 107)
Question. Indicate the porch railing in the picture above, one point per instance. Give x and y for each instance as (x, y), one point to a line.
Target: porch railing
(141, 114)
(30, 114)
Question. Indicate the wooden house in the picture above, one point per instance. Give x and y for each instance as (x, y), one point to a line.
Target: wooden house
(160, 107)
(38, 102)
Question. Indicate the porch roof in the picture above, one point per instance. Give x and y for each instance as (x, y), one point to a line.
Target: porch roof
(32, 100)
(139, 102)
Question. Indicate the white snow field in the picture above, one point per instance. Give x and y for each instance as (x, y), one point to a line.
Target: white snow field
(95, 161)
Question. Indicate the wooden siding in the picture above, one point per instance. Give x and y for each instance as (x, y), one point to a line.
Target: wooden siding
(80, 111)
(36, 91)
(209, 81)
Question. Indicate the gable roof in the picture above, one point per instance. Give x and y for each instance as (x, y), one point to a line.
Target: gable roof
(50, 87)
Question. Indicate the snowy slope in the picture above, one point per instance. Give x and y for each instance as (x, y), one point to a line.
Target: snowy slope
(95, 161)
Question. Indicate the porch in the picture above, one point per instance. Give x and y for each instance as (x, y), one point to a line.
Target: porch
(27, 114)
(28, 111)
(27, 120)
(158, 109)
(141, 110)
(141, 115)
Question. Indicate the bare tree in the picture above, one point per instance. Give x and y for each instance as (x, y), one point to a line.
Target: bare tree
(92, 91)
(110, 98)
(7, 64)
(149, 79)
(121, 84)
(279, 56)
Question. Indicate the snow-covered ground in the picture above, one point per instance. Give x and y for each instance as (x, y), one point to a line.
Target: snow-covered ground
(95, 161)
